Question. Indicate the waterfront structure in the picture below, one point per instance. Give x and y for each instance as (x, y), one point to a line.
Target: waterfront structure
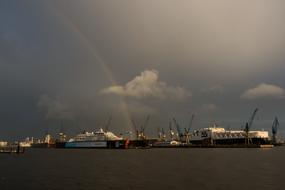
(3, 143)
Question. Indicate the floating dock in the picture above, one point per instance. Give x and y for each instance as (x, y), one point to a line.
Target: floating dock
(216, 146)
(154, 143)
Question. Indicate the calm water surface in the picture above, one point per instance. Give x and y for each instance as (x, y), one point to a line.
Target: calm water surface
(144, 169)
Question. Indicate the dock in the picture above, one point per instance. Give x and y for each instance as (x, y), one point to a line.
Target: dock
(216, 146)
(10, 149)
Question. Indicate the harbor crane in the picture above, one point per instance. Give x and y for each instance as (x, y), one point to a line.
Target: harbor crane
(187, 130)
(275, 126)
(140, 132)
(180, 134)
(161, 134)
(135, 128)
(249, 124)
(171, 132)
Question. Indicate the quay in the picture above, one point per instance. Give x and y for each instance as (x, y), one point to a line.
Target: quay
(218, 146)
(12, 149)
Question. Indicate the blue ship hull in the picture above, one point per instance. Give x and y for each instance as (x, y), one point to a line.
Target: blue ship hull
(86, 144)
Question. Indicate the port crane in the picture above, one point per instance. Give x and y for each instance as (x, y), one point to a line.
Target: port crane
(249, 124)
(187, 130)
(161, 134)
(135, 128)
(171, 132)
(186, 133)
(140, 133)
(180, 134)
(275, 126)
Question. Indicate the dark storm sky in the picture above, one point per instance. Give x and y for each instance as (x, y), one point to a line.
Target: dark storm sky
(80, 61)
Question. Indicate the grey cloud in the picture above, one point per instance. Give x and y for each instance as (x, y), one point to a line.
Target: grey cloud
(137, 108)
(54, 108)
(215, 49)
(219, 89)
(210, 107)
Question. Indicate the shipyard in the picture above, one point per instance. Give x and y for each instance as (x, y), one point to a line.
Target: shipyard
(142, 95)
(213, 136)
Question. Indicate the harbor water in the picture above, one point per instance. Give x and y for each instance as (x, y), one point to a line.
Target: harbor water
(176, 168)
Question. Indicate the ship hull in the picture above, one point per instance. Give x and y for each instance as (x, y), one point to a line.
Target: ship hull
(60, 144)
(232, 141)
(86, 144)
(115, 144)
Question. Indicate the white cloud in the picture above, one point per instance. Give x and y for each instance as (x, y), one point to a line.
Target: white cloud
(219, 89)
(264, 91)
(147, 84)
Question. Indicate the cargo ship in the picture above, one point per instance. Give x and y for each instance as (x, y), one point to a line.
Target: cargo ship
(220, 136)
(98, 139)
(216, 136)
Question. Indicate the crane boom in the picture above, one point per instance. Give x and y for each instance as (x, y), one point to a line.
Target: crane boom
(250, 122)
(275, 126)
(145, 123)
(134, 125)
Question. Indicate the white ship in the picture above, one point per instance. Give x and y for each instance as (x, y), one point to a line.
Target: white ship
(219, 135)
(98, 139)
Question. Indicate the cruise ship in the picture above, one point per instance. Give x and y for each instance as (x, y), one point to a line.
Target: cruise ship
(98, 139)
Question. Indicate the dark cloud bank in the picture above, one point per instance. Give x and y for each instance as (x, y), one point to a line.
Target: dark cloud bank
(77, 62)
